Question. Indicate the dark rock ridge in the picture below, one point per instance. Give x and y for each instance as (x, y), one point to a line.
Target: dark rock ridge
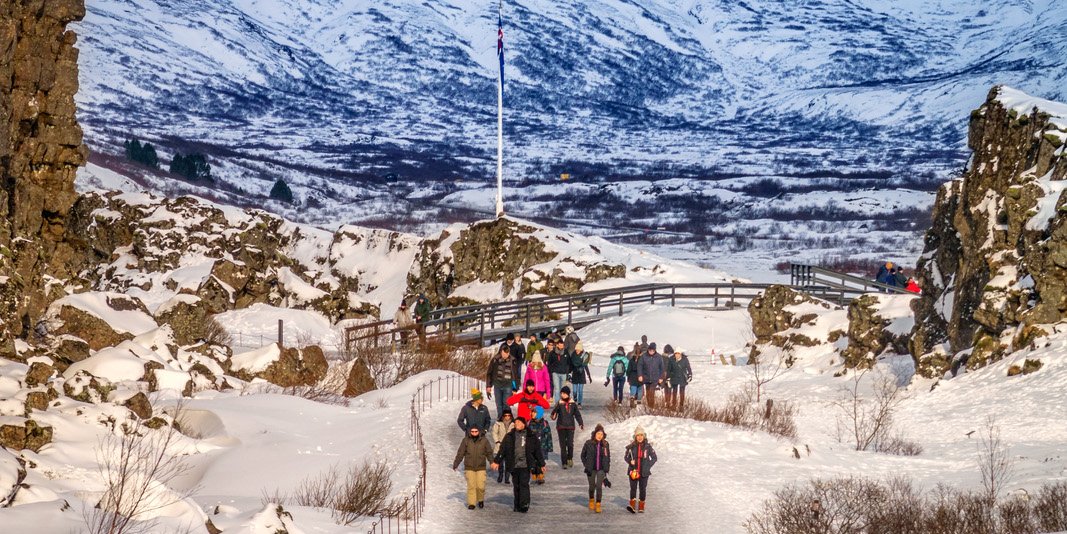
(994, 265)
(40, 151)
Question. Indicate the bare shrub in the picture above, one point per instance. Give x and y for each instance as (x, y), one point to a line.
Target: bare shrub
(898, 445)
(764, 368)
(1015, 517)
(214, 334)
(362, 491)
(389, 368)
(273, 497)
(329, 390)
(1050, 507)
(994, 461)
(137, 466)
(739, 411)
(867, 422)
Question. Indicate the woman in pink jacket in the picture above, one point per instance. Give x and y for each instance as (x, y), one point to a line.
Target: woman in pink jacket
(537, 372)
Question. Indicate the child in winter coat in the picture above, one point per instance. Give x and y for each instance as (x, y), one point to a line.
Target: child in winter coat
(526, 399)
(580, 375)
(543, 431)
(596, 459)
(640, 457)
(566, 415)
(537, 372)
(617, 368)
(500, 429)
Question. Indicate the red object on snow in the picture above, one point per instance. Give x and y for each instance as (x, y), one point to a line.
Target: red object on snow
(913, 287)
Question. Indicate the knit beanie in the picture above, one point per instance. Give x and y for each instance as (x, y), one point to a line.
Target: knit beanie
(640, 430)
(475, 394)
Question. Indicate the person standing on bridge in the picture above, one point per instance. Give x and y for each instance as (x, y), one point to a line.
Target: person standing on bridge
(633, 375)
(652, 373)
(559, 364)
(617, 368)
(422, 314)
(567, 416)
(580, 375)
(640, 457)
(474, 451)
(503, 374)
(520, 454)
(596, 459)
(526, 399)
(404, 323)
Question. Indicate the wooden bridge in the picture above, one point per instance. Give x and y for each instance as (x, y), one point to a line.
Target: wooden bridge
(483, 323)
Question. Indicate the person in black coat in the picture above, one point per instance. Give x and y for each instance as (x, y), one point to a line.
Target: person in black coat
(633, 374)
(596, 458)
(475, 414)
(679, 374)
(520, 453)
(502, 377)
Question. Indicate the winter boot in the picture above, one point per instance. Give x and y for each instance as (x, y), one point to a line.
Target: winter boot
(570, 463)
(633, 506)
(598, 508)
(470, 506)
(592, 504)
(481, 504)
(641, 507)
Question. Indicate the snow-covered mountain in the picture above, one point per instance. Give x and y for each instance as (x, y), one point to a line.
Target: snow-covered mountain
(717, 119)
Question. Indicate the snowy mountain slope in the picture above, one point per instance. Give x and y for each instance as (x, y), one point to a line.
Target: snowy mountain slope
(353, 89)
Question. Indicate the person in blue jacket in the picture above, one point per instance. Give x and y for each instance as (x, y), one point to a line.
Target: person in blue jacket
(618, 365)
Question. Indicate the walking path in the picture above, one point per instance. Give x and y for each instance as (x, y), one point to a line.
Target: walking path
(562, 503)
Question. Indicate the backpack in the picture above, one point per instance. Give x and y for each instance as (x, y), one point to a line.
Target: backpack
(619, 368)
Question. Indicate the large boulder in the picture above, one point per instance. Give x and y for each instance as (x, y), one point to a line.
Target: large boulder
(781, 309)
(994, 258)
(100, 319)
(877, 324)
(286, 367)
(18, 433)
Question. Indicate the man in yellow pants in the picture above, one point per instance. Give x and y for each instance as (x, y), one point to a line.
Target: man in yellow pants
(475, 451)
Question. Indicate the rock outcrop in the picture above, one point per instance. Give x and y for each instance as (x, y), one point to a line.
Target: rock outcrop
(286, 367)
(40, 151)
(877, 324)
(780, 309)
(995, 259)
(18, 433)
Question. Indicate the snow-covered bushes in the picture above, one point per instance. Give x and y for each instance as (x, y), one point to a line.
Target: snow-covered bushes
(388, 368)
(775, 418)
(865, 506)
(361, 491)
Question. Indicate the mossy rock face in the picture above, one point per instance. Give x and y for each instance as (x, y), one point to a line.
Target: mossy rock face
(769, 314)
(987, 350)
(139, 405)
(868, 334)
(38, 374)
(27, 435)
(1027, 337)
(156, 423)
(359, 380)
(1028, 366)
(294, 367)
(84, 387)
(981, 230)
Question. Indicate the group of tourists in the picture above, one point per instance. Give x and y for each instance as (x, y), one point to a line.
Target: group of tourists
(553, 373)
(891, 275)
(647, 371)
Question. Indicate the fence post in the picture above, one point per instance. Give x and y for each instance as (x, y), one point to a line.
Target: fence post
(732, 288)
(672, 295)
(570, 306)
(716, 296)
(621, 297)
(527, 319)
(280, 344)
(481, 329)
(652, 297)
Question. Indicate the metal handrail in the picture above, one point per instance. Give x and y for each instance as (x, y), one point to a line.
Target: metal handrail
(800, 273)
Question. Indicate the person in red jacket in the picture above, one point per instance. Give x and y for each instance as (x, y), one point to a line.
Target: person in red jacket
(913, 286)
(526, 400)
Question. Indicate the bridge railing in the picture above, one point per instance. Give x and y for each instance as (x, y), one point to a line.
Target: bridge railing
(809, 275)
(488, 321)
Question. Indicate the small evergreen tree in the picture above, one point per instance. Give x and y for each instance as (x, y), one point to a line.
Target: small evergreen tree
(144, 154)
(194, 167)
(281, 192)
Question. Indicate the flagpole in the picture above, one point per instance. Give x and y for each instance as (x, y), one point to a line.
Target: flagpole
(500, 118)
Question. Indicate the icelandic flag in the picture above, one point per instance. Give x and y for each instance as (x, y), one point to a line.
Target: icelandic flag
(500, 47)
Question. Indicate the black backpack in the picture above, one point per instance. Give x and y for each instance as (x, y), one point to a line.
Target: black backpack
(618, 368)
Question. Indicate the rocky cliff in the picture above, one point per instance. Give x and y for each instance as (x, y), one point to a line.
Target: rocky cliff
(994, 266)
(40, 151)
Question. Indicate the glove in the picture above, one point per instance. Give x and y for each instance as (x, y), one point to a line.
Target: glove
(588, 472)
(606, 383)
(607, 483)
(489, 394)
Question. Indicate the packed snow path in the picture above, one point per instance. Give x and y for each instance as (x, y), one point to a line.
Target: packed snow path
(561, 503)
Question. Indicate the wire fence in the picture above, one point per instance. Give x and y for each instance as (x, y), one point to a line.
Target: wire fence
(405, 519)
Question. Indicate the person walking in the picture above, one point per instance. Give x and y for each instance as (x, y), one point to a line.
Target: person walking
(540, 428)
(570, 340)
(596, 459)
(666, 356)
(580, 375)
(474, 451)
(640, 457)
(559, 364)
(503, 374)
(525, 401)
(633, 376)
(618, 365)
(520, 454)
(567, 416)
(501, 429)
(679, 374)
(475, 414)
(532, 347)
(515, 347)
(652, 373)
(538, 372)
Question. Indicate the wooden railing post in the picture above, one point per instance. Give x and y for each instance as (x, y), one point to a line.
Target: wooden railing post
(527, 319)
(570, 309)
(622, 297)
(481, 329)
(672, 295)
